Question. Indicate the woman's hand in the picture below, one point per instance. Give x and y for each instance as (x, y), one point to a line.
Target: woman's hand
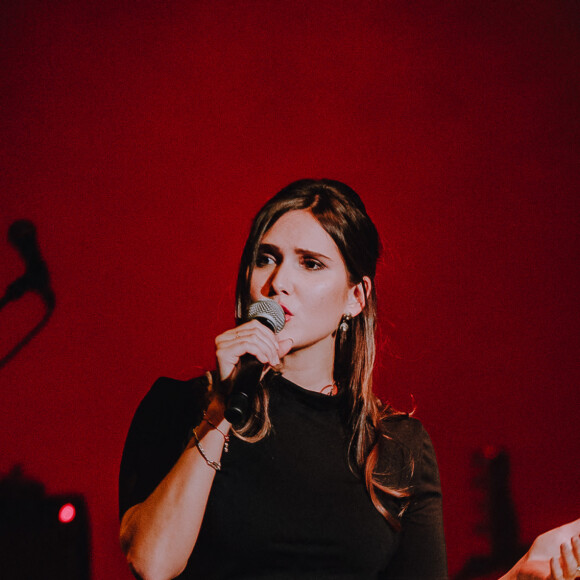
(253, 338)
(554, 555)
(567, 566)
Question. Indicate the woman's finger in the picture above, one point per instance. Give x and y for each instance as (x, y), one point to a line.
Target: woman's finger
(576, 551)
(246, 330)
(556, 569)
(249, 338)
(568, 560)
(284, 347)
(228, 355)
(263, 350)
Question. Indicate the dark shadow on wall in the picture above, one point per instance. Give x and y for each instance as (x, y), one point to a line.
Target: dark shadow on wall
(499, 521)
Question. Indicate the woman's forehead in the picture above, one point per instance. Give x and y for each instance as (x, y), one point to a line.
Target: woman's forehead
(300, 229)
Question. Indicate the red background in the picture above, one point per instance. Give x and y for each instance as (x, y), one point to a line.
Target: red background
(140, 137)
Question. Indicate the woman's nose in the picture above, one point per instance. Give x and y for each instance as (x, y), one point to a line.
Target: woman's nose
(281, 280)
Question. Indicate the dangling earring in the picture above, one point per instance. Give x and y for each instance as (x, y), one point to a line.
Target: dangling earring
(345, 323)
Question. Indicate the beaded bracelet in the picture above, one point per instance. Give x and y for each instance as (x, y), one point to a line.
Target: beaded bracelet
(214, 464)
(225, 435)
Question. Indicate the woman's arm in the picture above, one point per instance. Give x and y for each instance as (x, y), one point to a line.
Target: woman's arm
(421, 552)
(159, 533)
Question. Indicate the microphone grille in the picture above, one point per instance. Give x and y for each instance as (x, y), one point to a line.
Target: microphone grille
(268, 312)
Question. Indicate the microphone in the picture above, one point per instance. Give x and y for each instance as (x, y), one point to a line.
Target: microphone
(22, 236)
(250, 369)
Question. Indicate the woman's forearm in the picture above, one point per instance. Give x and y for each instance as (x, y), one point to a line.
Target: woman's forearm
(158, 535)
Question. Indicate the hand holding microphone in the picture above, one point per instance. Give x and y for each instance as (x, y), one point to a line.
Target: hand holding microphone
(243, 352)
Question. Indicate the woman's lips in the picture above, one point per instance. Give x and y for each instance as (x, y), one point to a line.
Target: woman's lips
(287, 313)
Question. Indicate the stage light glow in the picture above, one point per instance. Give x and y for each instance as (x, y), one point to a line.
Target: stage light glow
(67, 513)
(491, 451)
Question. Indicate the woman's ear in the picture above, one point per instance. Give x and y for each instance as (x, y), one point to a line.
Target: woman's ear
(358, 295)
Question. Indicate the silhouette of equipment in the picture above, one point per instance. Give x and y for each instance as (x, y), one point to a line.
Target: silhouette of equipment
(36, 278)
(41, 536)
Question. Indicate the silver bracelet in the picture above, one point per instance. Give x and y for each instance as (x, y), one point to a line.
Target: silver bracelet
(224, 435)
(214, 464)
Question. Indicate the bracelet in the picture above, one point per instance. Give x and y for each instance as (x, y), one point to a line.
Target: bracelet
(225, 435)
(214, 464)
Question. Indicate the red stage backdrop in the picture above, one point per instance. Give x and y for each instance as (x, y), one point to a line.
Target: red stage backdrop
(141, 137)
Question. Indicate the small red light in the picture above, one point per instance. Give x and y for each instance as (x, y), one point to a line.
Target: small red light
(490, 452)
(67, 513)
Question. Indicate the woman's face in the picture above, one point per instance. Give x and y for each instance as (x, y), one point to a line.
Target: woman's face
(300, 267)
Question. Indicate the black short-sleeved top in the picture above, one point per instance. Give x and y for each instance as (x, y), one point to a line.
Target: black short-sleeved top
(289, 506)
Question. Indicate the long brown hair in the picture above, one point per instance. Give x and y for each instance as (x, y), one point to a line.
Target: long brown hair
(342, 214)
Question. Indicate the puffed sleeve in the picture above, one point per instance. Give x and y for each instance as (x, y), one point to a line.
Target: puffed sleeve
(159, 432)
(421, 552)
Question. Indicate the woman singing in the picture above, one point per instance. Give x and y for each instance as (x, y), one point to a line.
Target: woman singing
(322, 480)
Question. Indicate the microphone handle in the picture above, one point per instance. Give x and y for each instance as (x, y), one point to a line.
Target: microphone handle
(245, 386)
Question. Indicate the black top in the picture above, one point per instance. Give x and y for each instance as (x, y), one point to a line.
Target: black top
(289, 506)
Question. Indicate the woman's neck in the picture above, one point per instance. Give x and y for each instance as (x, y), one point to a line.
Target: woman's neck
(311, 367)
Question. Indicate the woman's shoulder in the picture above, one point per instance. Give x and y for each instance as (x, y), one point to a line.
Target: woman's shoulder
(403, 428)
(406, 449)
(160, 430)
(166, 387)
(172, 401)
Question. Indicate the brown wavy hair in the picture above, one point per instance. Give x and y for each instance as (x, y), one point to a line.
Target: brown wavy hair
(342, 214)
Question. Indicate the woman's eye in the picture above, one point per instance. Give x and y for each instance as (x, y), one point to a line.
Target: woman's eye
(264, 260)
(312, 264)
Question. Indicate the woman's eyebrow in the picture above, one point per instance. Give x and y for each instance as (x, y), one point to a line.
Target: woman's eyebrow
(276, 251)
(312, 253)
(269, 249)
